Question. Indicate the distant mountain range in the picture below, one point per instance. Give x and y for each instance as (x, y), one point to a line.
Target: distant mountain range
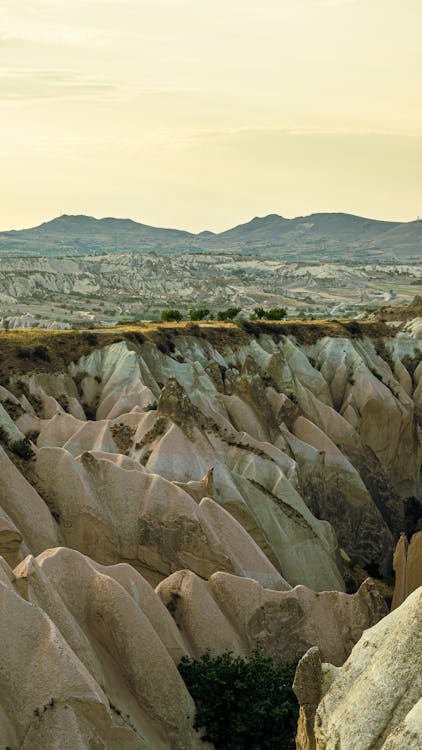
(325, 236)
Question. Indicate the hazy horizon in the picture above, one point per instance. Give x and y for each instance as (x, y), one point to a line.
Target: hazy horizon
(201, 116)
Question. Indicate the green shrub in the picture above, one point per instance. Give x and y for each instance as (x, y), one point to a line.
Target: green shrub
(168, 316)
(228, 314)
(242, 703)
(200, 313)
(276, 313)
(259, 312)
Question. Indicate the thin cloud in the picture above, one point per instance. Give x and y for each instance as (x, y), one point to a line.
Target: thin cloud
(29, 85)
(220, 135)
(50, 35)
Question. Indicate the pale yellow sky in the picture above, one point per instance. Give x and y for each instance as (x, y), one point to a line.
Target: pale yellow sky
(201, 114)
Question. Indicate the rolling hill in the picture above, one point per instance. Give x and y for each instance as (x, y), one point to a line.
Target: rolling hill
(323, 236)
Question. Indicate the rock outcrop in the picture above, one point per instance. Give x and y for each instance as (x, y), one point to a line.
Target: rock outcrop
(407, 564)
(374, 701)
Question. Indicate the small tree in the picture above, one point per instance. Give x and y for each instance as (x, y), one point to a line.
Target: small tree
(199, 313)
(276, 313)
(228, 314)
(259, 312)
(242, 703)
(168, 316)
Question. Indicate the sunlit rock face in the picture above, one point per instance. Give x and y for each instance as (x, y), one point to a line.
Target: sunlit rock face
(200, 492)
(374, 701)
(407, 564)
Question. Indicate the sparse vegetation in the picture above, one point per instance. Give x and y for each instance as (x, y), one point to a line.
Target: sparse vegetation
(275, 313)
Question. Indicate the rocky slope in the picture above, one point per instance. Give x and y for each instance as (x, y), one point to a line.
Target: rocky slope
(192, 488)
(110, 287)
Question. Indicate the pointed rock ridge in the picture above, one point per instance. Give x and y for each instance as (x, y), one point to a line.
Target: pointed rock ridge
(284, 623)
(198, 490)
(56, 704)
(98, 621)
(307, 687)
(10, 539)
(414, 563)
(375, 701)
(92, 677)
(311, 682)
(400, 570)
(347, 505)
(407, 566)
(24, 514)
(175, 404)
(113, 512)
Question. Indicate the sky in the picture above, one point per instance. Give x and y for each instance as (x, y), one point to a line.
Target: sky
(201, 114)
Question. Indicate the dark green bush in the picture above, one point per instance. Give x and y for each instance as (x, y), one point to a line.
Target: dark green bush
(38, 352)
(243, 703)
(168, 316)
(22, 448)
(228, 314)
(23, 352)
(199, 313)
(276, 313)
(259, 312)
(41, 352)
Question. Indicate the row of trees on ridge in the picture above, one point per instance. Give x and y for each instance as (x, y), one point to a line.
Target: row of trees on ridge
(204, 313)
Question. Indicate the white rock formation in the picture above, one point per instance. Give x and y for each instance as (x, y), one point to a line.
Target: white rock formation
(226, 474)
(375, 700)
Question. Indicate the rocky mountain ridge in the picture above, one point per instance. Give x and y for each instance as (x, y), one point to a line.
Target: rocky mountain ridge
(326, 236)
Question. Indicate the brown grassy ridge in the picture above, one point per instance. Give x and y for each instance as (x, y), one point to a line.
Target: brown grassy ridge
(23, 351)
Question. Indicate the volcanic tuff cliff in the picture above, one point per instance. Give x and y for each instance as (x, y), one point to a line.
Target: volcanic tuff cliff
(374, 702)
(239, 472)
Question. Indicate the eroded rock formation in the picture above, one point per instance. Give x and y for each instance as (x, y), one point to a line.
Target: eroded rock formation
(95, 655)
(199, 492)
